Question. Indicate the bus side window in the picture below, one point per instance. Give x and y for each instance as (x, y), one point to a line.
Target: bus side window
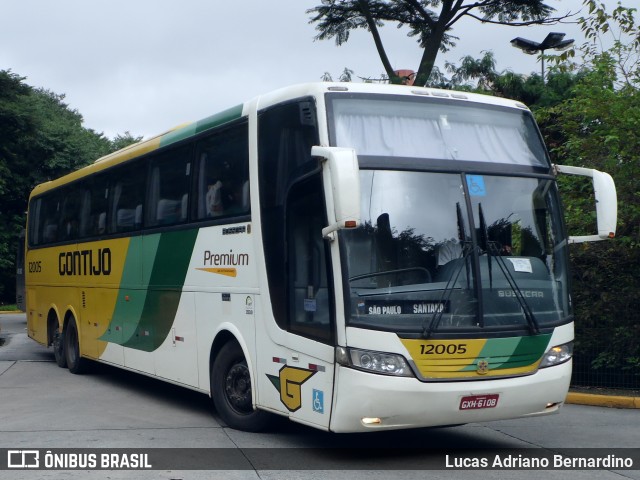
(94, 209)
(35, 237)
(49, 218)
(127, 199)
(168, 197)
(223, 174)
(94, 206)
(69, 228)
(310, 310)
(286, 134)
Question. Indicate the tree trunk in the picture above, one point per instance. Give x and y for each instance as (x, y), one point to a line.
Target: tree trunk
(429, 55)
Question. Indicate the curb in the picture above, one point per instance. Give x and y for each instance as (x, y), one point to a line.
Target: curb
(611, 401)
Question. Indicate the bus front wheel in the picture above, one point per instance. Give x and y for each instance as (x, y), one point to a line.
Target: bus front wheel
(231, 391)
(71, 342)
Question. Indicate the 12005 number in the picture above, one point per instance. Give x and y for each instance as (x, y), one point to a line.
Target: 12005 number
(443, 349)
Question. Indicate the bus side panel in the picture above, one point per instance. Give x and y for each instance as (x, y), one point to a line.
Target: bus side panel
(223, 275)
(176, 358)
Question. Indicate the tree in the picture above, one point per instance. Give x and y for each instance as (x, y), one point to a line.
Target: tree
(121, 141)
(337, 18)
(480, 76)
(345, 76)
(41, 138)
(599, 127)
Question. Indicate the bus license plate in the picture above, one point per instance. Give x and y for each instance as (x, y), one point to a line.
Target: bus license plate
(474, 402)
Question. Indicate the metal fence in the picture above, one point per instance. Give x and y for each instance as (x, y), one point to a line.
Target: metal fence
(593, 348)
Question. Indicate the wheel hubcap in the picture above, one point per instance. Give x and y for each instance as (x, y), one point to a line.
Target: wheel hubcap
(238, 388)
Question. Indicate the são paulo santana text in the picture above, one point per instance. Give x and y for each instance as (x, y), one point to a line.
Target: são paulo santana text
(526, 462)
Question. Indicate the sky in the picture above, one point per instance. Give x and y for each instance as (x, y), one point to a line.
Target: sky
(144, 66)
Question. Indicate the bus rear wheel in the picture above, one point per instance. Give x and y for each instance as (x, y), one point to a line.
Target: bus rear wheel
(58, 348)
(231, 391)
(71, 342)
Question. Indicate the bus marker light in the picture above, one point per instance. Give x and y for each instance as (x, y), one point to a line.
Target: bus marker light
(316, 368)
(350, 224)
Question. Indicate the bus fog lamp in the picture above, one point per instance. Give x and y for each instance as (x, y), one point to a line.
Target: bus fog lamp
(371, 421)
(557, 355)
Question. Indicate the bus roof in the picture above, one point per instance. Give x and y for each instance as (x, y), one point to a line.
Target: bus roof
(317, 90)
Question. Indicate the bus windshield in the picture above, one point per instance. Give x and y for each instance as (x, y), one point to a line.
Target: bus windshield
(436, 129)
(443, 252)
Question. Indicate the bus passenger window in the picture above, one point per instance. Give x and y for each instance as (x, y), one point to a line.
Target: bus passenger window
(49, 218)
(69, 228)
(94, 208)
(168, 201)
(127, 199)
(223, 174)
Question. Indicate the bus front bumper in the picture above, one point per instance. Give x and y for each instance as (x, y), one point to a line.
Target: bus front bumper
(365, 401)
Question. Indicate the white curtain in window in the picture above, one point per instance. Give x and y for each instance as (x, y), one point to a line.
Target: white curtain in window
(443, 138)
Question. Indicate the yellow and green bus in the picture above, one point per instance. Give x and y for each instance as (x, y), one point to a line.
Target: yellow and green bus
(355, 257)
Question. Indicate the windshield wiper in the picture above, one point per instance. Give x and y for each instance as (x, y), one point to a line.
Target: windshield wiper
(467, 248)
(427, 330)
(484, 231)
(526, 309)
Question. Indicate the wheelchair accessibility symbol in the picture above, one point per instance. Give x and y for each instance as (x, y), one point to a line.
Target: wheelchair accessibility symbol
(476, 185)
(318, 401)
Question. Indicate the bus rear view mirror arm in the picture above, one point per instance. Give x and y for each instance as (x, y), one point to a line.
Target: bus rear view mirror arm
(606, 202)
(341, 177)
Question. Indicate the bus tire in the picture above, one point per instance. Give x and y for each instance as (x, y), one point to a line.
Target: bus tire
(231, 391)
(75, 362)
(58, 349)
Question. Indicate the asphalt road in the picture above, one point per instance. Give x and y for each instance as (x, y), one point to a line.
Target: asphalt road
(43, 406)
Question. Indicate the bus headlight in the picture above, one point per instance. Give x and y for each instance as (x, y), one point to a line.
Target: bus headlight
(557, 355)
(374, 362)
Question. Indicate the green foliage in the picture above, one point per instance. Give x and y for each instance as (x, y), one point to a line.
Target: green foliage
(599, 127)
(428, 21)
(121, 141)
(41, 138)
(345, 76)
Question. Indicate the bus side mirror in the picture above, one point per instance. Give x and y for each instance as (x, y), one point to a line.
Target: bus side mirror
(606, 202)
(341, 176)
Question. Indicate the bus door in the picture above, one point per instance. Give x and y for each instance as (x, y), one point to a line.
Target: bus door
(300, 369)
(295, 355)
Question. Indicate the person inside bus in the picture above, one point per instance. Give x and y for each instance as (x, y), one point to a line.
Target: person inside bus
(214, 199)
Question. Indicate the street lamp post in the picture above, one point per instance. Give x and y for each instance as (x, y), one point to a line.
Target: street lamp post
(553, 41)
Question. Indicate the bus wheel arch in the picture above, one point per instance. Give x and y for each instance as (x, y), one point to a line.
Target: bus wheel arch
(55, 337)
(231, 386)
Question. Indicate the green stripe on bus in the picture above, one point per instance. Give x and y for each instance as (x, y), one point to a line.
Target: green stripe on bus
(513, 352)
(210, 122)
(131, 297)
(529, 350)
(221, 118)
(164, 290)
